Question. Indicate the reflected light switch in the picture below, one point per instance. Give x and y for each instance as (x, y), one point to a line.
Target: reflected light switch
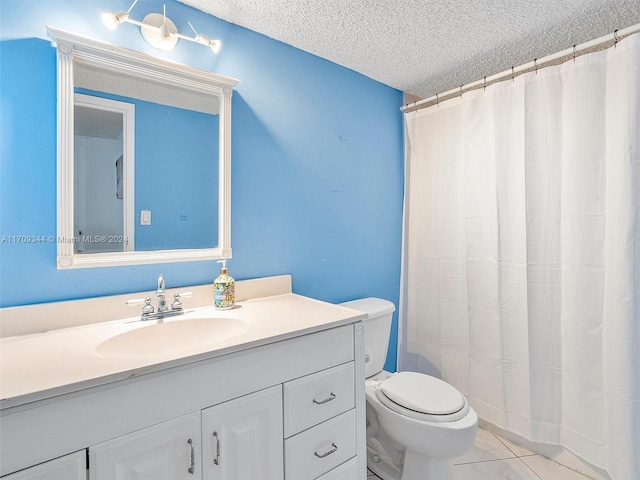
(145, 217)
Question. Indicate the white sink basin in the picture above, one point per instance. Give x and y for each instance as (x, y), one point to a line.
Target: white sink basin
(171, 337)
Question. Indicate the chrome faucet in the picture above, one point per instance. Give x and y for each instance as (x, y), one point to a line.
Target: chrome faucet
(149, 313)
(162, 305)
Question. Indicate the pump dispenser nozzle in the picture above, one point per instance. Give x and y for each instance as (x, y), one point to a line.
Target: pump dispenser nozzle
(224, 268)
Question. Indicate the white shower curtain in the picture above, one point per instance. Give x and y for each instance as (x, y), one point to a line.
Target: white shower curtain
(521, 260)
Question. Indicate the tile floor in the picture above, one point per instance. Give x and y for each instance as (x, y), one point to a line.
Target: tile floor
(495, 458)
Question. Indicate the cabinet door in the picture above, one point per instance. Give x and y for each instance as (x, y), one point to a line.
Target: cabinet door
(167, 451)
(69, 467)
(242, 438)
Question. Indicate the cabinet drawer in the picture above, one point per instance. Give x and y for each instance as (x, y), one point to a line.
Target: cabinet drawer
(347, 471)
(321, 448)
(315, 398)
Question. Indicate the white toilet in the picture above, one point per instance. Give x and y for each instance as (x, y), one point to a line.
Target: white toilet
(416, 424)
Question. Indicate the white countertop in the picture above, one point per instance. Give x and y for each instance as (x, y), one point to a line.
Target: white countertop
(43, 365)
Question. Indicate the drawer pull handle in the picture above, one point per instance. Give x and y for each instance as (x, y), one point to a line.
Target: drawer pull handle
(333, 450)
(193, 457)
(217, 459)
(328, 399)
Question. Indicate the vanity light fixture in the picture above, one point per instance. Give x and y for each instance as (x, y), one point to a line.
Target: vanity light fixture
(158, 30)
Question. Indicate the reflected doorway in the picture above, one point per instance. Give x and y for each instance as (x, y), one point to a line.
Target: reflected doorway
(103, 175)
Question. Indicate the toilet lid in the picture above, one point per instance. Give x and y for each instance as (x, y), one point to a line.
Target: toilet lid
(423, 393)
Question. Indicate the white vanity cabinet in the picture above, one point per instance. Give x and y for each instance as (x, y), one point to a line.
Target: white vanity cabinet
(291, 409)
(242, 438)
(69, 467)
(255, 436)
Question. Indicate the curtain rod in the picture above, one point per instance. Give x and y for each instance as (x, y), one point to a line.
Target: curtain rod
(534, 65)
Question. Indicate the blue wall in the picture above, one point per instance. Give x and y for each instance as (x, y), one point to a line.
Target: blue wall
(317, 172)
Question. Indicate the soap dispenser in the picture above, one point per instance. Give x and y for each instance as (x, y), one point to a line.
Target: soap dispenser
(224, 289)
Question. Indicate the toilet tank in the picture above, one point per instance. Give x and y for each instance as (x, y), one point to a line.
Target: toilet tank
(377, 328)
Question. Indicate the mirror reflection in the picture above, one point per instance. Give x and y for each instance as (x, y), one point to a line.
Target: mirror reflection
(98, 180)
(145, 165)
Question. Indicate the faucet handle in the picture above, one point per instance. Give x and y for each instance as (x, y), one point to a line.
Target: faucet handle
(135, 301)
(147, 309)
(177, 304)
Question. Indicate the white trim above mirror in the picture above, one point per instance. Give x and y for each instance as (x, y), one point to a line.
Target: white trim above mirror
(75, 50)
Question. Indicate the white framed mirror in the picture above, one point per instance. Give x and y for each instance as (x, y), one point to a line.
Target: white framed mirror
(143, 157)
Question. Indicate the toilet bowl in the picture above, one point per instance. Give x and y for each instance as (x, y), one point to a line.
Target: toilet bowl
(416, 423)
(413, 444)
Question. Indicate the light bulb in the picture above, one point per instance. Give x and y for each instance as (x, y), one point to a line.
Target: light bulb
(215, 45)
(165, 38)
(164, 32)
(112, 20)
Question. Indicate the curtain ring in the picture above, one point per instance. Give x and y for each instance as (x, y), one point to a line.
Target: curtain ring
(535, 65)
(513, 75)
(437, 100)
(574, 53)
(460, 91)
(615, 38)
(484, 83)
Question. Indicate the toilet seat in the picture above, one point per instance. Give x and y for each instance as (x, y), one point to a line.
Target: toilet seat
(422, 397)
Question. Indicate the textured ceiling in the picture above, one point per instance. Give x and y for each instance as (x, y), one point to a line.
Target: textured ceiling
(424, 47)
